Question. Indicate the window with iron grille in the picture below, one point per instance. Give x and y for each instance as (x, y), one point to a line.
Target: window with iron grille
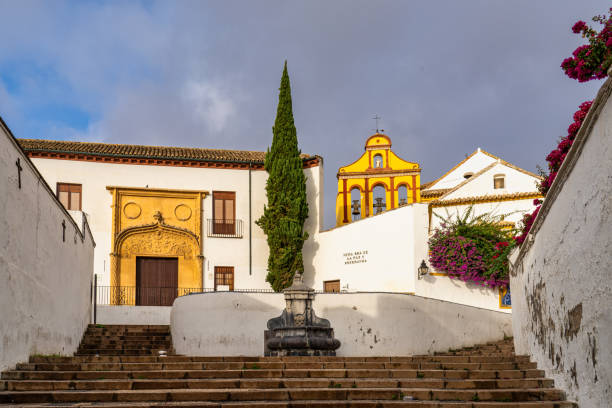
(70, 195)
(224, 276)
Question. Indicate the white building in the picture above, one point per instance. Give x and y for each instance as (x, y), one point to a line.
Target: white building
(213, 195)
(184, 218)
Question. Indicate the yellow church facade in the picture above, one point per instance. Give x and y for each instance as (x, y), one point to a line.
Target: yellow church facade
(379, 168)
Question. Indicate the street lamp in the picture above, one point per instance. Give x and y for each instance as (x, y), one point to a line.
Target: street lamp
(423, 269)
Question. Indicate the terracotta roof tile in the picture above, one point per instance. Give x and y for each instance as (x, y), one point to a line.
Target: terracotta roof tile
(434, 193)
(140, 151)
(487, 198)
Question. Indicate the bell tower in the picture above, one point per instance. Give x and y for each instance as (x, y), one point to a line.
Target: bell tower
(376, 182)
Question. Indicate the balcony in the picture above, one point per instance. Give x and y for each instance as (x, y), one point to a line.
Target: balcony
(224, 228)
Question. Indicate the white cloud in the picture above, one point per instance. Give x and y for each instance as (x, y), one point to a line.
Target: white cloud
(209, 103)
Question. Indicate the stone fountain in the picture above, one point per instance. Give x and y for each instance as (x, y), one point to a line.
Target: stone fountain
(298, 331)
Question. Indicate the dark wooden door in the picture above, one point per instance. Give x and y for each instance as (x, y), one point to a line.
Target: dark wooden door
(331, 286)
(156, 281)
(224, 275)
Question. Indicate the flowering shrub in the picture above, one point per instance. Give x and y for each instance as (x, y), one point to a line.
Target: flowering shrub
(588, 62)
(472, 249)
(591, 61)
(554, 159)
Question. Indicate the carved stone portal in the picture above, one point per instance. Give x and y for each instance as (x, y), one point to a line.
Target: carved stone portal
(298, 331)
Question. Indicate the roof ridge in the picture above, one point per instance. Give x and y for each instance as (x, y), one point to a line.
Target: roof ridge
(138, 145)
(464, 182)
(432, 183)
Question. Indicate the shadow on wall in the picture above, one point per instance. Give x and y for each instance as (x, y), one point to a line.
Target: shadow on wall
(310, 250)
(374, 324)
(367, 324)
(458, 284)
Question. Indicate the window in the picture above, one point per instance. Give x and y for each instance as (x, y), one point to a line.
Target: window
(224, 278)
(499, 181)
(224, 212)
(69, 195)
(378, 161)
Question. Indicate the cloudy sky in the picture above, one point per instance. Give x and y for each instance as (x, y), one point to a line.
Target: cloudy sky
(445, 76)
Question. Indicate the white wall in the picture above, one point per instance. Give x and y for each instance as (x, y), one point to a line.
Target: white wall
(45, 294)
(514, 182)
(455, 290)
(367, 324)
(561, 279)
(513, 211)
(97, 203)
(395, 242)
(133, 314)
(473, 165)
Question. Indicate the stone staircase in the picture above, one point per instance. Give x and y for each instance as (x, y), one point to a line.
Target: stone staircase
(119, 366)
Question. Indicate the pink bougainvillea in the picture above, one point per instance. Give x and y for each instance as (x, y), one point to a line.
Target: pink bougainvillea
(554, 159)
(591, 61)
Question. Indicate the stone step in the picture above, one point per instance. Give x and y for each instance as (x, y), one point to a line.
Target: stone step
(113, 352)
(176, 358)
(270, 383)
(270, 365)
(293, 394)
(237, 374)
(316, 404)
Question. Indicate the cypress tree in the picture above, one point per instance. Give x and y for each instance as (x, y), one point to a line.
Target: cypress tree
(287, 209)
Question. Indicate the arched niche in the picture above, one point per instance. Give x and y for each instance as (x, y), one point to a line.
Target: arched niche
(356, 203)
(402, 195)
(158, 241)
(379, 198)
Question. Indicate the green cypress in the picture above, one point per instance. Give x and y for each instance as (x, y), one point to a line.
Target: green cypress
(287, 209)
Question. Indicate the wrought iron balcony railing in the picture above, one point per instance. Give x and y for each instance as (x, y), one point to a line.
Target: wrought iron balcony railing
(224, 228)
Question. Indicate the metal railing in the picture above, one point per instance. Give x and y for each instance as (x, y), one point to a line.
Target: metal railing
(135, 296)
(224, 228)
(139, 296)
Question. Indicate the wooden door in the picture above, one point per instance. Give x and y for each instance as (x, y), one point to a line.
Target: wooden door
(156, 281)
(331, 286)
(224, 275)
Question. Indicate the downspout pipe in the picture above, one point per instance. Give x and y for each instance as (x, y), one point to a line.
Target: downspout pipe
(250, 220)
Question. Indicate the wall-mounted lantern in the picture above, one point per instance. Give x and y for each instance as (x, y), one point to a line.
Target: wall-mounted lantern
(423, 269)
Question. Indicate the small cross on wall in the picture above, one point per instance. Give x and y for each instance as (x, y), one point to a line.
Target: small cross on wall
(19, 169)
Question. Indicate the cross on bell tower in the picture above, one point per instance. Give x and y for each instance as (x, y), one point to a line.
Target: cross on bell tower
(377, 118)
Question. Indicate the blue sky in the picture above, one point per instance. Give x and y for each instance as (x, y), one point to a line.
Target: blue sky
(446, 77)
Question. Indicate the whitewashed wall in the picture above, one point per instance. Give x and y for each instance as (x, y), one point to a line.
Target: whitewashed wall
(395, 242)
(133, 314)
(512, 210)
(45, 302)
(561, 280)
(454, 290)
(514, 182)
(474, 164)
(367, 324)
(97, 203)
